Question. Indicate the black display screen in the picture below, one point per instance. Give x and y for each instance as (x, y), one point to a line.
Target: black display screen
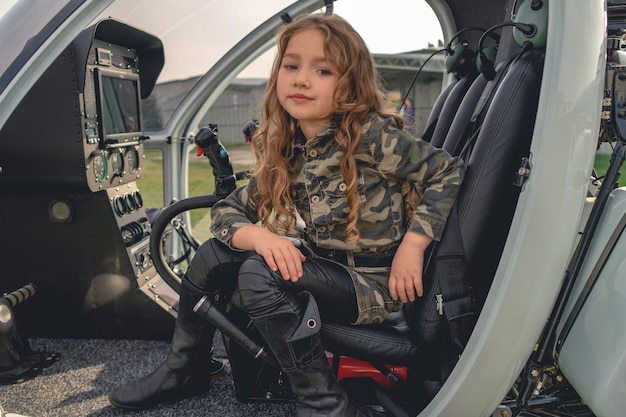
(120, 105)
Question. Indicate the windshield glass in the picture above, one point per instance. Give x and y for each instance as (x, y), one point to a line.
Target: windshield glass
(20, 40)
(197, 33)
(401, 36)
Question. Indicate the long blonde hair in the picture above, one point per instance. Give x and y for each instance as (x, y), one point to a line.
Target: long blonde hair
(358, 95)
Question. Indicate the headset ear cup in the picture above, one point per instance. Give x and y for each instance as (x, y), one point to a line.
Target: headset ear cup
(453, 57)
(460, 61)
(486, 58)
(534, 13)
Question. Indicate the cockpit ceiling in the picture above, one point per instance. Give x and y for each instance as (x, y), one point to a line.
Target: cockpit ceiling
(483, 13)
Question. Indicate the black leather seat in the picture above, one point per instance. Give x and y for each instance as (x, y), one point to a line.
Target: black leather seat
(442, 115)
(391, 342)
(446, 105)
(471, 113)
(485, 206)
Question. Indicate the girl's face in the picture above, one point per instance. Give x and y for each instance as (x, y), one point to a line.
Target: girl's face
(306, 82)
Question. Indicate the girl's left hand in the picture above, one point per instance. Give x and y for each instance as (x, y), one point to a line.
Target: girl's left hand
(405, 280)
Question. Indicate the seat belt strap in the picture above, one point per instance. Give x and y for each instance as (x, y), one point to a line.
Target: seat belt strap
(455, 301)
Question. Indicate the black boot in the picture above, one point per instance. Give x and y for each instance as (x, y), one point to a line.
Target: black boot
(188, 368)
(295, 341)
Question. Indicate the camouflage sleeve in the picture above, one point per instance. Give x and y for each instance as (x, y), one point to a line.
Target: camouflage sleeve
(232, 213)
(435, 175)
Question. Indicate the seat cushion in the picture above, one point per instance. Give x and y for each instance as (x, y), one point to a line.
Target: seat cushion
(389, 342)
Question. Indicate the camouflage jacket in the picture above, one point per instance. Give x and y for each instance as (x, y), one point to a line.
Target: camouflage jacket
(387, 158)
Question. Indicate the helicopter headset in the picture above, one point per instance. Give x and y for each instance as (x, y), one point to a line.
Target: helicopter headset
(461, 59)
(530, 30)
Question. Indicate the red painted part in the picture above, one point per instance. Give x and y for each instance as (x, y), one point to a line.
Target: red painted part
(355, 368)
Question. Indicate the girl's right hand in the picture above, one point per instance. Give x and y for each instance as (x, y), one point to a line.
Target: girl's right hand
(279, 252)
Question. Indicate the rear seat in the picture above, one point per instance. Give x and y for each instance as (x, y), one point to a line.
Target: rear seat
(445, 107)
(441, 124)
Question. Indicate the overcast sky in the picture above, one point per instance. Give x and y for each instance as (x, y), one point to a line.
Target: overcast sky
(196, 33)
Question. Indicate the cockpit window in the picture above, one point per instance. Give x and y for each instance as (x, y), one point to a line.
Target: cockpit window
(197, 33)
(20, 40)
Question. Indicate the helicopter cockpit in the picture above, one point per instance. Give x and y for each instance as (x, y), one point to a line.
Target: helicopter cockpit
(518, 113)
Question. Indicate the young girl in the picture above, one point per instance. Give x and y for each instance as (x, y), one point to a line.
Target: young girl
(328, 155)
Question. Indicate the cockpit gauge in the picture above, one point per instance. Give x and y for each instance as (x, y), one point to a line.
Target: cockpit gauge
(117, 163)
(132, 159)
(127, 236)
(100, 166)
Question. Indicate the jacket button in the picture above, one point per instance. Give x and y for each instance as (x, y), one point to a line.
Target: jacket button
(224, 232)
(315, 199)
(313, 153)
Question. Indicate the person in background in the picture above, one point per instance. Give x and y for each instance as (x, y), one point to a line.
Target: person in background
(408, 114)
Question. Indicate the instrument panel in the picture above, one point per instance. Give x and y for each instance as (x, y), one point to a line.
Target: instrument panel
(116, 166)
(111, 116)
(96, 112)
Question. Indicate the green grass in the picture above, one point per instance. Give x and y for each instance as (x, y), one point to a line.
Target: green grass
(201, 182)
(601, 164)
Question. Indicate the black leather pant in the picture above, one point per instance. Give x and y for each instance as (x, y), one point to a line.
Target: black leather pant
(218, 269)
(287, 314)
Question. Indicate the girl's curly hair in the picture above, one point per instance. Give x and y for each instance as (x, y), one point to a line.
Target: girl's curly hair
(359, 93)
